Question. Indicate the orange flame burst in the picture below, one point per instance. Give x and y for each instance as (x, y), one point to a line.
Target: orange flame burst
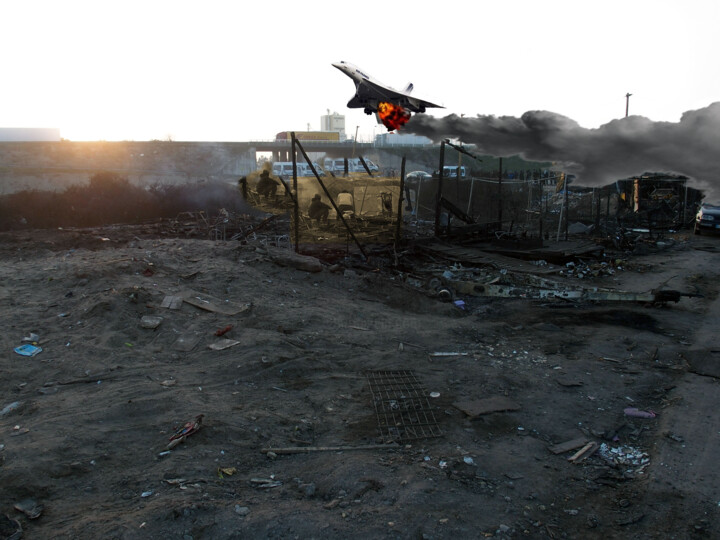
(392, 116)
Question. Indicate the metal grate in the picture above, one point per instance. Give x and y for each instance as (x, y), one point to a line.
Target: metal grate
(401, 403)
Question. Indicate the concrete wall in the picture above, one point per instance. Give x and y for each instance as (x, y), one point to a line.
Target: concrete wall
(29, 134)
(57, 165)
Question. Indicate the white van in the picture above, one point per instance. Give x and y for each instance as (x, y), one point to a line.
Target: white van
(285, 169)
(337, 165)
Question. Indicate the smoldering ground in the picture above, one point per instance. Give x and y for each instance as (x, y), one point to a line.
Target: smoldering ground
(620, 149)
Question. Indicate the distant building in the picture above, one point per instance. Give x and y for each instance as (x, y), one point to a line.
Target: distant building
(401, 139)
(333, 122)
(29, 134)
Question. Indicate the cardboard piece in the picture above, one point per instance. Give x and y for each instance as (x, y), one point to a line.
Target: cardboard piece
(486, 406)
(223, 344)
(209, 303)
(185, 342)
(172, 302)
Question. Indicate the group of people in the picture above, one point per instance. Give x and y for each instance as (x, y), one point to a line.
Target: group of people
(318, 210)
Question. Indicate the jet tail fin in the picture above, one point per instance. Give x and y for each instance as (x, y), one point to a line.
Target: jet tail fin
(409, 88)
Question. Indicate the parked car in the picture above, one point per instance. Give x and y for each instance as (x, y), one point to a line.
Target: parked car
(417, 176)
(708, 218)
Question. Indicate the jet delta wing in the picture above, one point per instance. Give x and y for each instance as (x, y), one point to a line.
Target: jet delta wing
(370, 92)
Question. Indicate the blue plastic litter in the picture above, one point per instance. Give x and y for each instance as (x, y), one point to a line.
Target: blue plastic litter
(28, 350)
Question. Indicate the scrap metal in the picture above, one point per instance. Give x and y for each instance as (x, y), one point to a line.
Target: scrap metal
(500, 290)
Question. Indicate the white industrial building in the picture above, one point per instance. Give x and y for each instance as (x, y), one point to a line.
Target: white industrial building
(333, 122)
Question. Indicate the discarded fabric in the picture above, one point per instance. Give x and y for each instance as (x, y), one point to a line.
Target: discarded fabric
(637, 413)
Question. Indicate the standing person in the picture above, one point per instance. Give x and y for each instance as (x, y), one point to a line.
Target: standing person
(243, 186)
(318, 209)
(267, 186)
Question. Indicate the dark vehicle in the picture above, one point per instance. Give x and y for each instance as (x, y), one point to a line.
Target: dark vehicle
(708, 218)
(450, 172)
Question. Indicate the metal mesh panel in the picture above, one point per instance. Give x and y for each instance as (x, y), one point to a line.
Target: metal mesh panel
(401, 403)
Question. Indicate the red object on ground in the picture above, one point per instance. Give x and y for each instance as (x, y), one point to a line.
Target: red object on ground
(224, 331)
(189, 428)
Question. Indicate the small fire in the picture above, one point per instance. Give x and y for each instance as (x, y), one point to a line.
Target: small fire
(392, 116)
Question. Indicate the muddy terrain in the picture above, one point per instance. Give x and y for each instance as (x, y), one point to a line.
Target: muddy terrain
(341, 400)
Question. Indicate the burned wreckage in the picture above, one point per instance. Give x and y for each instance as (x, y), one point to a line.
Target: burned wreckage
(523, 227)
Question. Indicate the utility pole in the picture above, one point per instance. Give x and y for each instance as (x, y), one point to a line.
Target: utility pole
(627, 104)
(500, 200)
(438, 196)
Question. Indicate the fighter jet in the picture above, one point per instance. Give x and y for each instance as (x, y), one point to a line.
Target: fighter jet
(369, 93)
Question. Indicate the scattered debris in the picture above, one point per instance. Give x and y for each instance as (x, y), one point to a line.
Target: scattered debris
(28, 350)
(401, 406)
(29, 507)
(32, 338)
(7, 409)
(624, 456)
(485, 406)
(293, 260)
(172, 302)
(223, 344)
(495, 289)
(214, 305)
(10, 529)
(226, 471)
(569, 382)
(266, 483)
(186, 342)
(150, 322)
(188, 429)
(307, 449)
(585, 452)
(568, 445)
(223, 331)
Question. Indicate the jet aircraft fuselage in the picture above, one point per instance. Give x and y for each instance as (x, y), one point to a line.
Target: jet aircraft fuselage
(369, 92)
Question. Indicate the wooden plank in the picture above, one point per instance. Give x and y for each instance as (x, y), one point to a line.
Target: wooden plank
(585, 452)
(568, 445)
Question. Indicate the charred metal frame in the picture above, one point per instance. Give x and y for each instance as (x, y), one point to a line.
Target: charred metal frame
(441, 202)
(398, 231)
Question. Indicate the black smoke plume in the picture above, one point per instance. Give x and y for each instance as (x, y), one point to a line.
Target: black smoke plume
(620, 149)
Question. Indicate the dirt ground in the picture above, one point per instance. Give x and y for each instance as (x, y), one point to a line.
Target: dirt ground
(86, 422)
